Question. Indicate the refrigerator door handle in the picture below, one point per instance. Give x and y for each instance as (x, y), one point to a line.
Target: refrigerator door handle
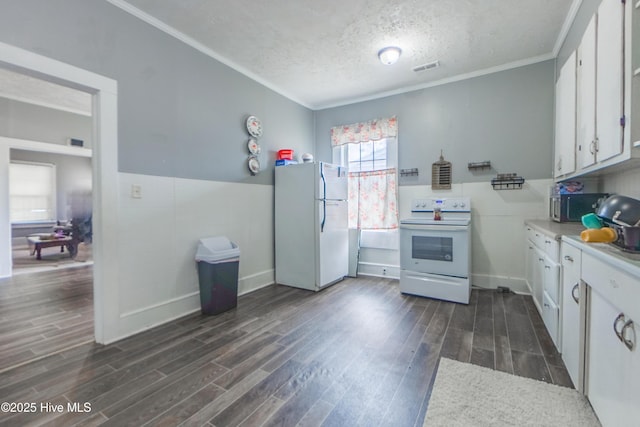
(324, 181)
(324, 215)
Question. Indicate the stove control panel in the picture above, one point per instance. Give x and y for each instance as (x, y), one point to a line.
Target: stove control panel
(445, 204)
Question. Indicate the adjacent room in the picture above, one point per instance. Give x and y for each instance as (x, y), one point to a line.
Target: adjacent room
(242, 213)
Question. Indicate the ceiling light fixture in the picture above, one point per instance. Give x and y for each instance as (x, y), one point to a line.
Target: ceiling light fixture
(389, 55)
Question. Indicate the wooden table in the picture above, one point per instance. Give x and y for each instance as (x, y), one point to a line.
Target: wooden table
(36, 243)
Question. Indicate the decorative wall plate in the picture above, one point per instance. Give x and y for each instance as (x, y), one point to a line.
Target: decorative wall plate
(253, 146)
(254, 126)
(254, 165)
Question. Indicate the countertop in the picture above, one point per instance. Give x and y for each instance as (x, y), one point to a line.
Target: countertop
(570, 232)
(557, 229)
(625, 261)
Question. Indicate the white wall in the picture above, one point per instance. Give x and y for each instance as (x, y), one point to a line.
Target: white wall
(497, 230)
(158, 235)
(624, 183)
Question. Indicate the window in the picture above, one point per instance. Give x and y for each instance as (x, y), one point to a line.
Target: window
(32, 191)
(367, 156)
(372, 183)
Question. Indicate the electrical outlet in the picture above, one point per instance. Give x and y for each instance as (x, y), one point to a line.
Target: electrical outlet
(136, 191)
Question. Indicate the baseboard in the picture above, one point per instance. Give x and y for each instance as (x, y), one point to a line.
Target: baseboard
(256, 281)
(167, 311)
(378, 270)
(485, 281)
(154, 314)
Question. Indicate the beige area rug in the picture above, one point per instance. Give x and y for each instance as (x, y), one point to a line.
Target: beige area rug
(52, 258)
(469, 395)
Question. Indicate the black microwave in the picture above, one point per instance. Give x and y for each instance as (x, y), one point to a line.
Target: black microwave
(571, 207)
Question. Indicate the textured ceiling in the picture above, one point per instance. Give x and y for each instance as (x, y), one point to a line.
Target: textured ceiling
(324, 53)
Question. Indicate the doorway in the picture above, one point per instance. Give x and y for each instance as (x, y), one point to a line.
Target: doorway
(46, 306)
(104, 176)
(50, 208)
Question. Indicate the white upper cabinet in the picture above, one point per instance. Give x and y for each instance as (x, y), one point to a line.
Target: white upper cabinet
(600, 81)
(607, 95)
(586, 96)
(609, 80)
(565, 145)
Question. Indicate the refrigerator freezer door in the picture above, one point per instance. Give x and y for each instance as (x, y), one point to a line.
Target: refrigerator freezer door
(333, 242)
(332, 182)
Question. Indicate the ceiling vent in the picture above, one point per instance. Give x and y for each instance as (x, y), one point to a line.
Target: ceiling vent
(427, 66)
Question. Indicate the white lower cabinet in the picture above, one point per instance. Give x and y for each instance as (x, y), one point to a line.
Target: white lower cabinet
(613, 367)
(612, 357)
(571, 323)
(543, 277)
(550, 315)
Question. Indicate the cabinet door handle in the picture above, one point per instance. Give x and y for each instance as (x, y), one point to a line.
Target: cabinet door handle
(627, 342)
(592, 147)
(619, 319)
(548, 242)
(573, 294)
(568, 258)
(547, 267)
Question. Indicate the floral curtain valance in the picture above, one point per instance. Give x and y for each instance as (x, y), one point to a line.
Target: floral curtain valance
(372, 130)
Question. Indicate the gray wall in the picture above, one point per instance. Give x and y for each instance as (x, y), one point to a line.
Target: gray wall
(180, 112)
(505, 117)
(73, 177)
(27, 121)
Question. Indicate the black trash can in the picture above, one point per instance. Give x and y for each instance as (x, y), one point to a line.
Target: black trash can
(218, 261)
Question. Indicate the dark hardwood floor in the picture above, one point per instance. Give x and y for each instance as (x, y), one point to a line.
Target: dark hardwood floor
(45, 312)
(357, 353)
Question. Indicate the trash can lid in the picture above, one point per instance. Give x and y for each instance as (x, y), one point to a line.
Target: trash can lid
(217, 249)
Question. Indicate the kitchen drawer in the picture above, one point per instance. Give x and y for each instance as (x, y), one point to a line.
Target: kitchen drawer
(550, 246)
(621, 289)
(552, 279)
(571, 258)
(534, 236)
(547, 243)
(550, 316)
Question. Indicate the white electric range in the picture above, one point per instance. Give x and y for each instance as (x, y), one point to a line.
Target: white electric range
(435, 249)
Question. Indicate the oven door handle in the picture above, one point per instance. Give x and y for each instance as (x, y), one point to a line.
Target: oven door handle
(434, 227)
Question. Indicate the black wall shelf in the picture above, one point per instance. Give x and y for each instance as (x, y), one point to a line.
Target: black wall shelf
(409, 172)
(507, 183)
(479, 165)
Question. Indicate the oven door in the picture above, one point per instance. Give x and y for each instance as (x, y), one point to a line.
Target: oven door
(436, 249)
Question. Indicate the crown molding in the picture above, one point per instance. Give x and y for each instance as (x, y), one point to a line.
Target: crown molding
(201, 47)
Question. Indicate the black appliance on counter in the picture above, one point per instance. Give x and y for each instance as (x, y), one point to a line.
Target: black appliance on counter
(571, 207)
(623, 215)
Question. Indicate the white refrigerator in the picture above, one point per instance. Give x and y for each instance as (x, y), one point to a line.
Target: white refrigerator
(311, 225)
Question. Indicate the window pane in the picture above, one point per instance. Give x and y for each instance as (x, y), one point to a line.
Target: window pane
(379, 164)
(366, 166)
(368, 156)
(380, 149)
(366, 150)
(354, 152)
